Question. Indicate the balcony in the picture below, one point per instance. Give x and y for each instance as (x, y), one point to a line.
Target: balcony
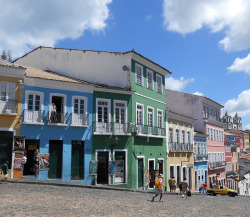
(150, 131)
(216, 165)
(79, 119)
(58, 118)
(201, 157)
(177, 147)
(232, 173)
(112, 128)
(8, 106)
(213, 120)
(33, 117)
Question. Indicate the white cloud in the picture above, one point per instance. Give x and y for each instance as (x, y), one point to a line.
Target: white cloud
(26, 24)
(241, 65)
(148, 18)
(198, 93)
(230, 16)
(247, 127)
(241, 105)
(175, 84)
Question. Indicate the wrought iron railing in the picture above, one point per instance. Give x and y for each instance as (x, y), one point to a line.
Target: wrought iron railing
(180, 147)
(122, 128)
(30, 116)
(58, 118)
(102, 127)
(214, 165)
(150, 130)
(80, 119)
(200, 157)
(8, 106)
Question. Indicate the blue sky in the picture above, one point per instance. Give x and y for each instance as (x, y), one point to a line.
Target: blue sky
(196, 40)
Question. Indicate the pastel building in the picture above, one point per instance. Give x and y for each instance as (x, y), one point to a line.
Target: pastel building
(180, 157)
(207, 113)
(11, 93)
(128, 111)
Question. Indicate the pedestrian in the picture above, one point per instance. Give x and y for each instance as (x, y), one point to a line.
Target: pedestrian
(5, 171)
(185, 188)
(170, 184)
(158, 188)
(205, 187)
(180, 187)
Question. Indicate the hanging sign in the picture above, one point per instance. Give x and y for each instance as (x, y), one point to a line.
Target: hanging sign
(43, 161)
(93, 167)
(19, 144)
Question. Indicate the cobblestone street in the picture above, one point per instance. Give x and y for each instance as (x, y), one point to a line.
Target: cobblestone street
(46, 200)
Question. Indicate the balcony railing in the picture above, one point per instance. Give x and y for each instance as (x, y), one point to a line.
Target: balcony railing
(180, 147)
(150, 130)
(79, 119)
(200, 157)
(215, 165)
(122, 128)
(116, 128)
(232, 173)
(31, 116)
(8, 106)
(58, 118)
(101, 127)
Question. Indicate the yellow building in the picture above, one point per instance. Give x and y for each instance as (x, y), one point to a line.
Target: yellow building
(11, 92)
(180, 158)
(247, 144)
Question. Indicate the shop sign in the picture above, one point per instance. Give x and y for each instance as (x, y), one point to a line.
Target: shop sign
(32, 147)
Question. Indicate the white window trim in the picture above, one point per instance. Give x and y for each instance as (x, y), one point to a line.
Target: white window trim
(85, 103)
(174, 170)
(7, 89)
(64, 101)
(162, 124)
(41, 94)
(149, 107)
(109, 105)
(157, 75)
(152, 74)
(126, 109)
(126, 165)
(142, 113)
(182, 178)
(142, 76)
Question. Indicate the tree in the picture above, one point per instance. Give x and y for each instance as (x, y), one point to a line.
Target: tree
(9, 56)
(3, 56)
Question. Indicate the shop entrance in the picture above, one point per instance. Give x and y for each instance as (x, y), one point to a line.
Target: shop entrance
(31, 150)
(77, 160)
(151, 174)
(55, 161)
(140, 172)
(6, 143)
(102, 173)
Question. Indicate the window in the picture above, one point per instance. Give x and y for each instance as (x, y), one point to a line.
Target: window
(199, 175)
(189, 137)
(7, 91)
(211, 134)
(150, 117)
(139, 114)
(177, 136)
(202, 175)
(120, 112)
(79, 114)
(34, 102)
(103, 111)
(208, 133)
(150, 81)
(183, 136)
(160, 119)
(139, 74)
(79, 106)
(184, 172)
(159, 83)
(171, 135)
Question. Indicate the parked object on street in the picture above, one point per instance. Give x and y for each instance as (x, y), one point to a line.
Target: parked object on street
(220, 189)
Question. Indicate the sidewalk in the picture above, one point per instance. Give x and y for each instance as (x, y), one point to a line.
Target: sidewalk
(78, 185)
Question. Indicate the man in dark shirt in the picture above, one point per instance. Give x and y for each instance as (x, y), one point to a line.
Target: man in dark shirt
(5, 171)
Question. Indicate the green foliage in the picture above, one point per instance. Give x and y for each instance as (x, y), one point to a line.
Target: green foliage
(7, 56)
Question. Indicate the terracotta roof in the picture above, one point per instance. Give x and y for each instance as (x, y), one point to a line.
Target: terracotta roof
(48, 75)
(132, 51)
(245, 156)
(8, 64)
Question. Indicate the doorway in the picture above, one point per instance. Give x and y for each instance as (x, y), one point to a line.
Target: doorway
(178, 175)
(102, 173)
(140, 172)
(55, 153)
(77, 160)
(31, 150)
(151, 167)
(6, 144)
(57, 116)
(196, 182)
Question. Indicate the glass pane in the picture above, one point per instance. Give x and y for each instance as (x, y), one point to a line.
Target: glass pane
(76, 106)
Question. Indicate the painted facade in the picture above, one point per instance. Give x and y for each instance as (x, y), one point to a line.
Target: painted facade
(200, 160)
(57, 120)
(11, 92)
(180, 158)
(207, 113)
(138, 142)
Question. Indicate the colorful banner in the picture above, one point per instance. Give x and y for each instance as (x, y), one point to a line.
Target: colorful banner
(43, 161)
(146, 178)
(93, 167)
(111, 167)
(18, 164)
(19, 144)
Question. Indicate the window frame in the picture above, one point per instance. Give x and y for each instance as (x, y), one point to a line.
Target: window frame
(142, 113)
(8, 84)
(136, 75)
(161, 87)
(125, 110)
(109, 109)
(149, 71)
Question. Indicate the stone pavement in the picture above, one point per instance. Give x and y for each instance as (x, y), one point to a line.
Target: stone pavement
(31, 198)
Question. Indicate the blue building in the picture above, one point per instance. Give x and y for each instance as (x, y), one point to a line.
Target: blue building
(200, 159)
(57, 125)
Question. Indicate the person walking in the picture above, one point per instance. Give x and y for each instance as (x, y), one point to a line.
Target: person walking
(158, 188)
(185, 188)
(5, 171)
